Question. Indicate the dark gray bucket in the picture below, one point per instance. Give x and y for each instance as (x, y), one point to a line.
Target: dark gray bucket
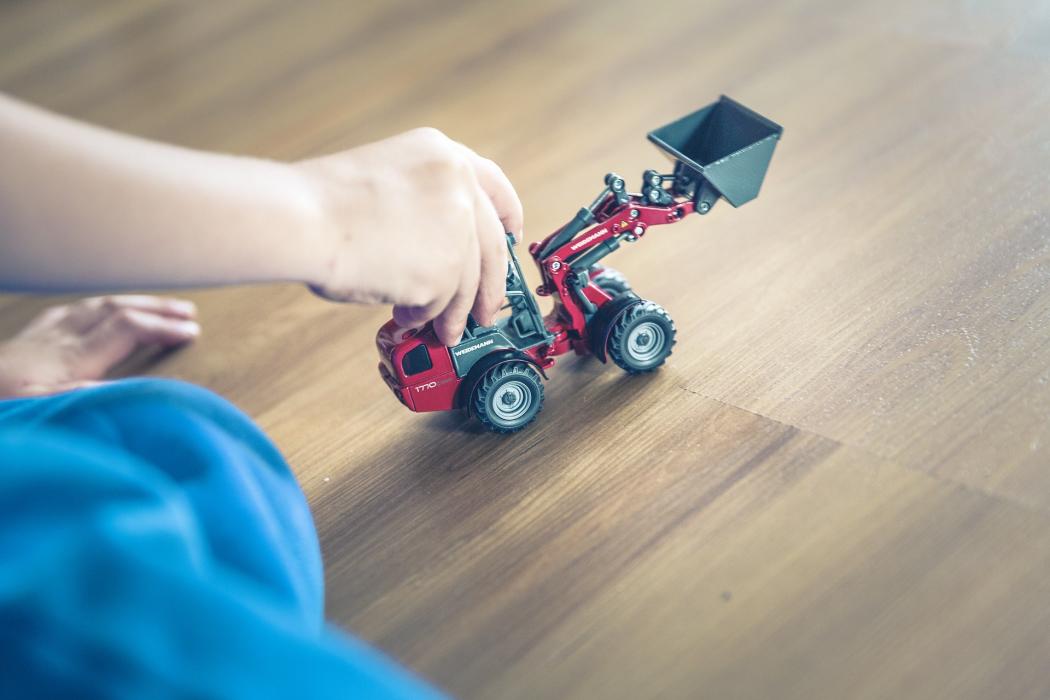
(723, 149)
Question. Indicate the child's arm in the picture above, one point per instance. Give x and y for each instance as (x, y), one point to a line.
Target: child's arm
(416, 220)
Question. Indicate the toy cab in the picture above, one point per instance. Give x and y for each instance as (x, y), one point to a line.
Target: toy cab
(416, 367)
(428, 376)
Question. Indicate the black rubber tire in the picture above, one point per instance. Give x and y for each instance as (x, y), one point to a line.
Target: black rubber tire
(642, 338)
(612, 282)
(517, 380)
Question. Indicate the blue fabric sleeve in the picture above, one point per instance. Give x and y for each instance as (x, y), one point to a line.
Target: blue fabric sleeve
(153, 543)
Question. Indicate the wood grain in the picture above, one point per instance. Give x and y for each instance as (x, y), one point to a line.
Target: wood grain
(838, 486)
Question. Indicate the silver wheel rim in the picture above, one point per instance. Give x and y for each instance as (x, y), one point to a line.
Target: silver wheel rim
(511, 400)
(645, 342)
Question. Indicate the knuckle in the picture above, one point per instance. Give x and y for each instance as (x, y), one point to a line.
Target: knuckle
(431, 134)
(459, 213)
(453, 168)
(493, 167)
(443, 158)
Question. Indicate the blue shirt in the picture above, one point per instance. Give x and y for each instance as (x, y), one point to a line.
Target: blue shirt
(154, 544)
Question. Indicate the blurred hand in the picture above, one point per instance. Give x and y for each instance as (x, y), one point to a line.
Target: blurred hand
(420, 223)
(67, 347)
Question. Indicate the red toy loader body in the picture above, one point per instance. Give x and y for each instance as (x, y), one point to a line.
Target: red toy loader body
(720, 151)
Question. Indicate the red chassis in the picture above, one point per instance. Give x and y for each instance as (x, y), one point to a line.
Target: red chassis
(721, 151)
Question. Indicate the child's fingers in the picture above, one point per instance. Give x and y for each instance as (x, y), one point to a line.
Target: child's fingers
(408, 316)
(165, 306)
(451, 322)
(86, 313)
(414, 316)
(492, 286)
(121, 332)
(495, 183)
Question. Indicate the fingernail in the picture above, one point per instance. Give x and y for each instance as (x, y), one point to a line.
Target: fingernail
(192, 328)
(187, 308)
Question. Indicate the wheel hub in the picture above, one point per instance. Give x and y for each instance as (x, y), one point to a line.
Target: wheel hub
(645, 342)
(511, 400)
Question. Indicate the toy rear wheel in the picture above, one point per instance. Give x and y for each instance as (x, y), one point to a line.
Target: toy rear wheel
(508, 397)
(642, 338)
(611, 281)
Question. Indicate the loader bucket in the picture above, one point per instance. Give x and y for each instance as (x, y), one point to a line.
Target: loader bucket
(725, 145)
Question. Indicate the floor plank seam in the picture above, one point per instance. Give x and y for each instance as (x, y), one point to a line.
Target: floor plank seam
(968, 487)
(727, 404)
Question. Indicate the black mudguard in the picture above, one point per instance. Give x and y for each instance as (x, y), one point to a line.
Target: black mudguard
(466, 387)
(600, 325)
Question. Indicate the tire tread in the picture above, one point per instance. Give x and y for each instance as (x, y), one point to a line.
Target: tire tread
(492, 378)
(619, 330)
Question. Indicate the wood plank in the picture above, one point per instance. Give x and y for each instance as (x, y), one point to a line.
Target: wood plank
(854, 579)
(719, 553)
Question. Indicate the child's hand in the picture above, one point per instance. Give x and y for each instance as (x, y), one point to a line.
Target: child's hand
(419, 222)
(67, 347)
(416, 220)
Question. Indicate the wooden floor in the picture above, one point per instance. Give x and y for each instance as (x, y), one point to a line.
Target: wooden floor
(838, 487)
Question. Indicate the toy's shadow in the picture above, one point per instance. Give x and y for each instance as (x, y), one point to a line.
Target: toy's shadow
(443, 479)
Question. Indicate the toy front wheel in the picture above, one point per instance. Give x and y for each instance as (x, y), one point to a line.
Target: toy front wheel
(508, 398)
(642, 338)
